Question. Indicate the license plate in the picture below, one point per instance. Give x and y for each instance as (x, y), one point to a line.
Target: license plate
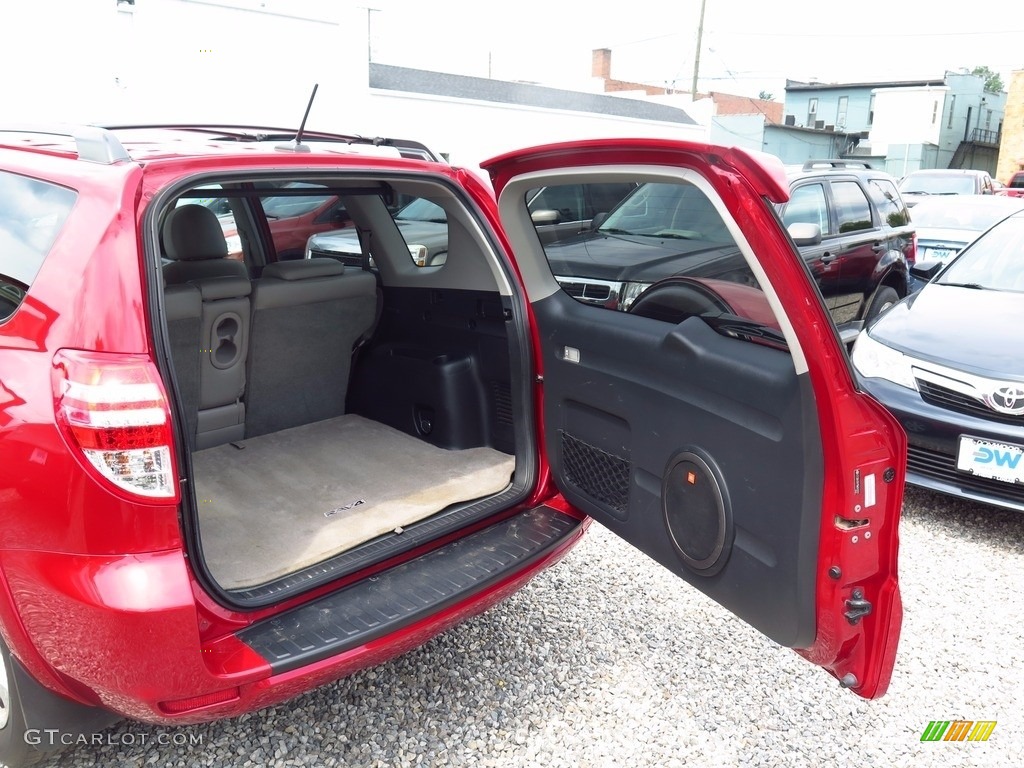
(940, 254)
(985, 458)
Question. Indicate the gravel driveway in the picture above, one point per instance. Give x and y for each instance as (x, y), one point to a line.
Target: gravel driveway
(606, 660)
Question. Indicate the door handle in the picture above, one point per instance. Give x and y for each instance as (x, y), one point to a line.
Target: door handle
(828, 258)
(879, 247)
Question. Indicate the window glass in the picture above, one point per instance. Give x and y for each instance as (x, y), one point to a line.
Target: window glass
(32, 214)
(807, 206)
(853, 212)
(566, 200)
(665, 253)
(889, 203)
(993, 260)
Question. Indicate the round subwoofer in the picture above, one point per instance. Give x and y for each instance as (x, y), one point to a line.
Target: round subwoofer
(697, 513)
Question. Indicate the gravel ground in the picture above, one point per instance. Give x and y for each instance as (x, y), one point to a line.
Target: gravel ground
(606, 660)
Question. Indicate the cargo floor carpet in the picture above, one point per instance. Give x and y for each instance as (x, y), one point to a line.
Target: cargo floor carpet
(281, 502)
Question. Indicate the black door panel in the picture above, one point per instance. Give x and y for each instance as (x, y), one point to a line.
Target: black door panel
(699, 448)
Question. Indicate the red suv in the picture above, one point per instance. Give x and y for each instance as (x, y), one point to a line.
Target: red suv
(226, 482)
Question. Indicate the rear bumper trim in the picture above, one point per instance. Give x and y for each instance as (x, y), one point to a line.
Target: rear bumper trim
(384, 603)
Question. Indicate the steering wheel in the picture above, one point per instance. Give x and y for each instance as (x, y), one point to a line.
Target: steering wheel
(676, 298)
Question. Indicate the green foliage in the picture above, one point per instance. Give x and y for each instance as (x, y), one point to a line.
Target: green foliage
(993, 81)
(765, 96)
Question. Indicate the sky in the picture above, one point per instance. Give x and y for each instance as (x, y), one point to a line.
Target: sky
(747, 46)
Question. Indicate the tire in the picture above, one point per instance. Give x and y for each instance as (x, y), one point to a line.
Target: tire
(884, 298)
(15, 751)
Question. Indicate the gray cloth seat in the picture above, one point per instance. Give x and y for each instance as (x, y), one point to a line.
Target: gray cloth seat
(193, 239)
(307, 315)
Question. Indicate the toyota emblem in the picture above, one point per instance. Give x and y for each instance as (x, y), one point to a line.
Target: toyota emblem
(1007, 399)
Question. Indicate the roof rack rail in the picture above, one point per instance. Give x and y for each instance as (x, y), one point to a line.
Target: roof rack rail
(812, 165)
(95, 144)
(267, 133)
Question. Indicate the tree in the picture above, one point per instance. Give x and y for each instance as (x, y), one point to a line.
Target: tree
(765, 96)
(993, 81)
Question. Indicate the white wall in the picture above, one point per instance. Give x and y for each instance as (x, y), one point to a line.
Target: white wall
(907, 116)
(254, 62)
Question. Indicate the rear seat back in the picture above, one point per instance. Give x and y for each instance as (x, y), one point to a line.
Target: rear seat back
(307, 316)
(194, 240)
(183, 305)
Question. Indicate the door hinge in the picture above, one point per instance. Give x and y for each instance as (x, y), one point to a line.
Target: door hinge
(857, 607)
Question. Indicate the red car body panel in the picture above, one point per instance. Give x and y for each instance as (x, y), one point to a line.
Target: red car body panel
(98, 599)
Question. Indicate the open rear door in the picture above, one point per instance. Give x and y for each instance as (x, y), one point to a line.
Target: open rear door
(697, 401)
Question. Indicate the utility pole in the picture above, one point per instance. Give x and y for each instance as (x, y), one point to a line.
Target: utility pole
(696, 57)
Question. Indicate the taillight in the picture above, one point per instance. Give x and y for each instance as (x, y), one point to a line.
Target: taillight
(114, 409)
(912, 251)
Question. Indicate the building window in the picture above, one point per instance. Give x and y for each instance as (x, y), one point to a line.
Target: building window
(871, 110)
(812, 112)
(935, 111)
(988, 119)
(844, 102)
(952, 109)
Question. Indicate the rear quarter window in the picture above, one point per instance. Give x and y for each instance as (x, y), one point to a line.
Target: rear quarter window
(888, 202)
(32, 214)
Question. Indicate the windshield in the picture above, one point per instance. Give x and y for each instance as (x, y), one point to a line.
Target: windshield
(679, 211)
(993, 261)
(977, 215)
(422, 209)
(938, 184)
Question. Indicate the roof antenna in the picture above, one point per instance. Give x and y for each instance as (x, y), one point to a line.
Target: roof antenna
(296, 145)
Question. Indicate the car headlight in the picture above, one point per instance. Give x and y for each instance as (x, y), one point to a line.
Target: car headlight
(875, 360)
(419, 255)
(629, 293)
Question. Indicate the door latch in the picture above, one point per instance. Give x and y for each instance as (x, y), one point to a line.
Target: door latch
(857, 607)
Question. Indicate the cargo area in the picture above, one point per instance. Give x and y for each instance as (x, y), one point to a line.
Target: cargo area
(342, 408)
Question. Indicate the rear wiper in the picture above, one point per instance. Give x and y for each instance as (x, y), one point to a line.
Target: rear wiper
(741, 327)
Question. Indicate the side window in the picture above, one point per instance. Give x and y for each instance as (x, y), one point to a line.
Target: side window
(807, 205)
(665, 253)
(32, 214)
(853, 212)
(566, 200)
(602, 198)
(293, 216)
(423, 225)
(420, 222)
(889, 203)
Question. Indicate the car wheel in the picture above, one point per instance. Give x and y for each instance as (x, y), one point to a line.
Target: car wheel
(884, 298)
(14, 749)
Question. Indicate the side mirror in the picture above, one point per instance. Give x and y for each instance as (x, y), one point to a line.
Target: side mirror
(545, 216)
(804, 234)
(926, 270)
(598, 219)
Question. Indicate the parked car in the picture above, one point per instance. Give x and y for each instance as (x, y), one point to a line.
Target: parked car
(946, 362)
(851, 226)
(1014, 187)
(917, 185)
(227, 483)
(558, 212)
(945, 225)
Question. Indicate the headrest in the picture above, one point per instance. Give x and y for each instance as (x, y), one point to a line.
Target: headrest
(300, 269)
(192, 232)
